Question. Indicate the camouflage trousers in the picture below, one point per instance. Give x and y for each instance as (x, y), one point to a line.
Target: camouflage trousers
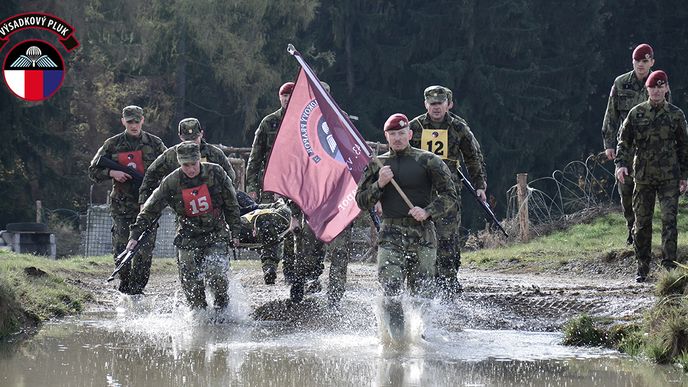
(309, 256)
(626, 194)
(643, 205)
(201, 267)
(133, 277)
(339, 254)
(448, 251)
(407, 253)
(271, 257)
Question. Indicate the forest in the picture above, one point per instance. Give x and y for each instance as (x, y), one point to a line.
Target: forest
(531, 77)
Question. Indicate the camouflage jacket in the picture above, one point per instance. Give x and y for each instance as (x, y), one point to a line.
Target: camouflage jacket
(458, 143)
(655, 140)
(167, 162)
(203, 221)
(262, 146)
(627, 91)
(124, 196)
(423, 177)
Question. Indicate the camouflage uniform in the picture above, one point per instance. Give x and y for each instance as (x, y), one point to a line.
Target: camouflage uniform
(407, 249)
(167, 162)
(451, 140)
(202, 236)
(339, 254)
(653, 139)
(255, 170)
(627, 91)
(124, 203)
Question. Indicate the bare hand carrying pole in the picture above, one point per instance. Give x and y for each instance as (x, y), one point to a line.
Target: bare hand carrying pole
(483, 204)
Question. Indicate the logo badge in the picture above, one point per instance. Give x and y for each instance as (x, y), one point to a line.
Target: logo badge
(33, 70)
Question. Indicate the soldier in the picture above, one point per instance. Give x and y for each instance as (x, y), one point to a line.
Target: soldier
(653, 139)
(203, 197)
(407, 242)
(137, 149)
(255, 169)
(190, 129)
(448, 136)
(627, 91)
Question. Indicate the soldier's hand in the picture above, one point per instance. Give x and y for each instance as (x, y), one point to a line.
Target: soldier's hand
(386, 175)
(131, 244)
(235, 242)
(481, 194)
(611, 153)
(378, 208)
(418, 214)
(120, 176)
(683, 185)
(253, 195)
(621, 173)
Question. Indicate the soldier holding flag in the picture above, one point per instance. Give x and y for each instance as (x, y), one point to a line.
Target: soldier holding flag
(407, 243)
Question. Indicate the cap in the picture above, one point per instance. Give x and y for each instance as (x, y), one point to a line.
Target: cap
(132, 112)
(435, 94)
(287, 88)
(189, 129)
(396, 121)
(643, 51)
(188, 152)
(656, 79)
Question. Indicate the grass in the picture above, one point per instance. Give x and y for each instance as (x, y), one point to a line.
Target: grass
(580, 242)
(34, 289)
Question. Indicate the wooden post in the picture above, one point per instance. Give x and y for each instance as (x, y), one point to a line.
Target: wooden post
(522, 190)
(39, 211)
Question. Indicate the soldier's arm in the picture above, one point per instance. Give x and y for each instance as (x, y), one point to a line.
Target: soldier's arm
(610, 123)
(153, 176)
(223, 161)
(446, 197)
(96, 173)
(473, 158)
(682, 146)
(368, 192)
(151, 210)
(624, 144)
(231, 206)
(256, 159)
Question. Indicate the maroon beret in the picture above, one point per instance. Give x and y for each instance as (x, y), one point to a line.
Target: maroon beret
(396, 121)
(656, 79)
(287, 88)
(644, 51)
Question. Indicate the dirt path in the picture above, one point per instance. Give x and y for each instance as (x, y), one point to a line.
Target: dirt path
(491, 300)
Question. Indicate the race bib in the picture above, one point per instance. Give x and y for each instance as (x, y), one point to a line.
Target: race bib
(197, 201)
(435, 141)
(133, 159)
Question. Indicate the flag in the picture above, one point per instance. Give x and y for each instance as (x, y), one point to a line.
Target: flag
(318, 157)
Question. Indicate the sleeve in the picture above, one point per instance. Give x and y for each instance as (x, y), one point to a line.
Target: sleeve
(368, 192)
(96, 173)
(223, 161)
(473, 158)
(682, 146)
(153, 176)
(151, 210)
(446, 198)
(231, 206)
(256, 159)
(610, 124)
(624, 144)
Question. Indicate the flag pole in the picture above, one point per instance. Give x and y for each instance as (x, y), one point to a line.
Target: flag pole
(309, 73)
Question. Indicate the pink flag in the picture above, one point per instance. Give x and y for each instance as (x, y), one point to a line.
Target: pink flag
(317, 157)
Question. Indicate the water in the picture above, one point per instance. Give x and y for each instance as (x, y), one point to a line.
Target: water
(158, 342)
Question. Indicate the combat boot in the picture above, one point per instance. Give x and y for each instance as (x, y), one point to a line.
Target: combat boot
(394, 314)
(643, 271)
(269, 275)
(296, 292)
(313, 286)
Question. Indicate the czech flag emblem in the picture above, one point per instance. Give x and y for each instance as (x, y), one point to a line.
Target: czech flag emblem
(33, 70)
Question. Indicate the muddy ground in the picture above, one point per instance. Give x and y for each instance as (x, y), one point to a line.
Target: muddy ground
(496, 299)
